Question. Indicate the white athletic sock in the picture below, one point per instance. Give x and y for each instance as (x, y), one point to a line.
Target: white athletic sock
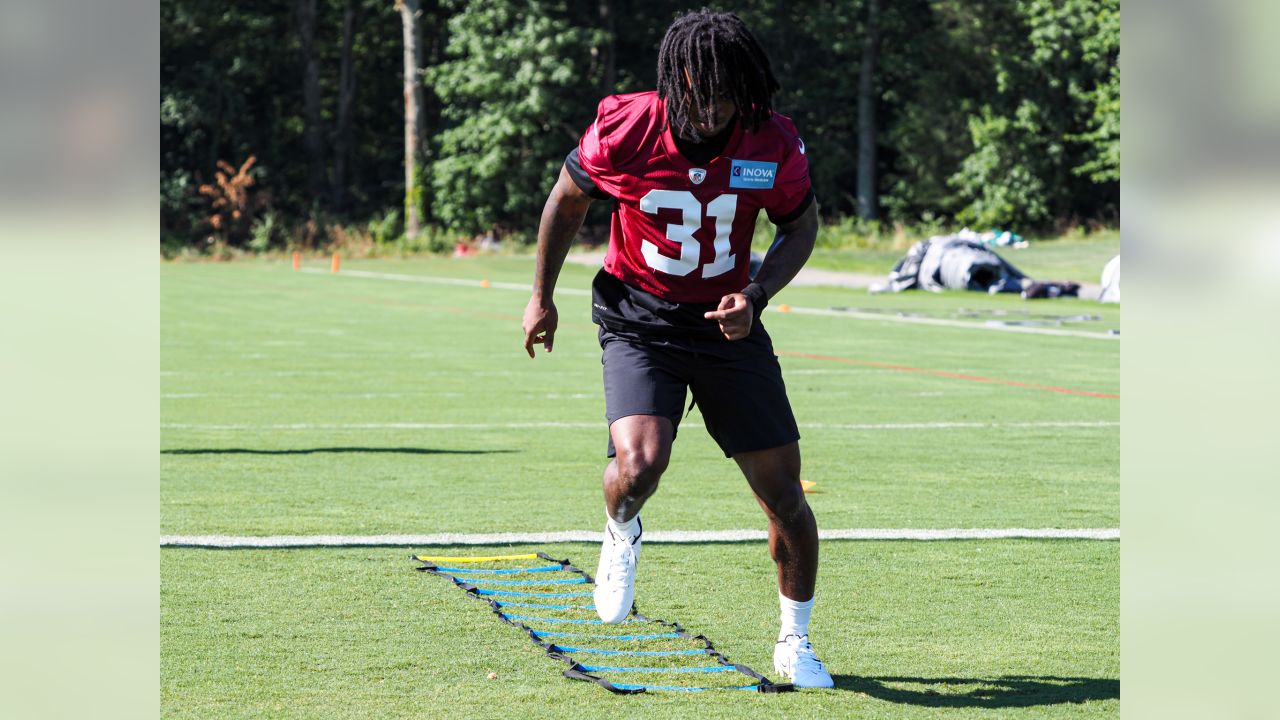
(628, 529)
(795, 616)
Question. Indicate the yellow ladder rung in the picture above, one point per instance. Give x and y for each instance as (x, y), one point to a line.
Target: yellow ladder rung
(490, 558)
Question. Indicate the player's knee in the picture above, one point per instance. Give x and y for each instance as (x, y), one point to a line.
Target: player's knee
(788, 503)
(641, 466)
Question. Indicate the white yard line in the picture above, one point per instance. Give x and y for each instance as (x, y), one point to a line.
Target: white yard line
(653, 536)
(437, 280)
(961, 425)
(388, 426)
(943, 322)
(826, 312)
(601, 425)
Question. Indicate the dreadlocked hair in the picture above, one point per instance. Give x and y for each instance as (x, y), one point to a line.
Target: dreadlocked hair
(706, 55)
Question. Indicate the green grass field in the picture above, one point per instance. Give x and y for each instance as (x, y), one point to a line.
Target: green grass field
(304, 403)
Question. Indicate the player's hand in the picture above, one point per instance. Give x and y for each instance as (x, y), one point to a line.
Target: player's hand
(540, 321)
(734, 314)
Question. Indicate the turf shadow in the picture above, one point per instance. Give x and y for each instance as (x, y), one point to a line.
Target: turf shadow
(312, 451)
(1006, 691)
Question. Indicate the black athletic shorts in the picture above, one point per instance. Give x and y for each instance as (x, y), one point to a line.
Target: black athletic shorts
(737, 385)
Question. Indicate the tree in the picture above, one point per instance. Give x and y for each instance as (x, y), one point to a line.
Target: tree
(1102, 50)
(812, 48)
(607, 48)
(512, 88)
(346, 103)
(868, 206)
(415, 149)
(982, 111)
(229, 90)
(305, 13)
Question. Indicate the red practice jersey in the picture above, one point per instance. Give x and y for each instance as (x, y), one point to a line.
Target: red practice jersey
(681, 231)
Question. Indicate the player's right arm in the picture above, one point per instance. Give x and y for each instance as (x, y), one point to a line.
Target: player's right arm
(561, 218)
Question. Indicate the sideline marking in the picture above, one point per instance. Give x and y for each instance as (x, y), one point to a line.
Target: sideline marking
(948, 374)
(653, 536)
(825, 312)
(962, 425)
(438, 280)
(943, 322)
(601, 425)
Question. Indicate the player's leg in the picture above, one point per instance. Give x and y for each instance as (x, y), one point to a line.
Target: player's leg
(643, 447)
(774, 476)
(642, 444)
(744, 404)
(644, 394)
(743, 399)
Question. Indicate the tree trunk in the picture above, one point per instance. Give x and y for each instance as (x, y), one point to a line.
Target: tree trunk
(608, 50)
(346, 103)
(314, 131)
(868, 200)
(415, 167)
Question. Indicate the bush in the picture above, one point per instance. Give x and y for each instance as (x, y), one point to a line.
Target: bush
(1002, 178)
(231, 205)
(266, 232)
(387, 229)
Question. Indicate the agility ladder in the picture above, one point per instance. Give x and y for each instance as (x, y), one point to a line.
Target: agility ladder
(502, 595)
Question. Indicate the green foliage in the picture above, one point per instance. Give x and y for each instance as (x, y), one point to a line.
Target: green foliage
(932, 77)
(386, 229)
(266, 232)
(1042, 139)
(1104, 164)
(814, 50)
(999, 112)
(429, 240)
(178, 215)
(1102, 48)
(512, 98)
(231, 87)
(1001, 175)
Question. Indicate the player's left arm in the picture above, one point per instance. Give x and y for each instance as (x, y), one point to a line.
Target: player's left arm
(792, 246)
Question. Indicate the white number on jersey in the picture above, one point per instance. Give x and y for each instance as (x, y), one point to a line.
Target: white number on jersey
(722, 208)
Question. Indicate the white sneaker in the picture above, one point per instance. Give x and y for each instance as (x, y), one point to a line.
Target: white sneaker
(616, 576)
(793, 657)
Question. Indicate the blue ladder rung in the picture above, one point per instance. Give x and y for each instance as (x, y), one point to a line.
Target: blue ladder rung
(512, 571)
(544, 606)
(707, 669)
(506, 593)
(486, 581)
(561, 620)
(645, 653)
(680, 688)
(654, 636)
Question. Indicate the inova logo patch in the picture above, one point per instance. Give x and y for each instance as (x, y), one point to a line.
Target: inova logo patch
(752, 174)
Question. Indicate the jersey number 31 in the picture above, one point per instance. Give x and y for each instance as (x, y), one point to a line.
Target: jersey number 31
(722, 209)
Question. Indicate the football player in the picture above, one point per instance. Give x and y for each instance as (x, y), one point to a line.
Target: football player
(688, 168)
